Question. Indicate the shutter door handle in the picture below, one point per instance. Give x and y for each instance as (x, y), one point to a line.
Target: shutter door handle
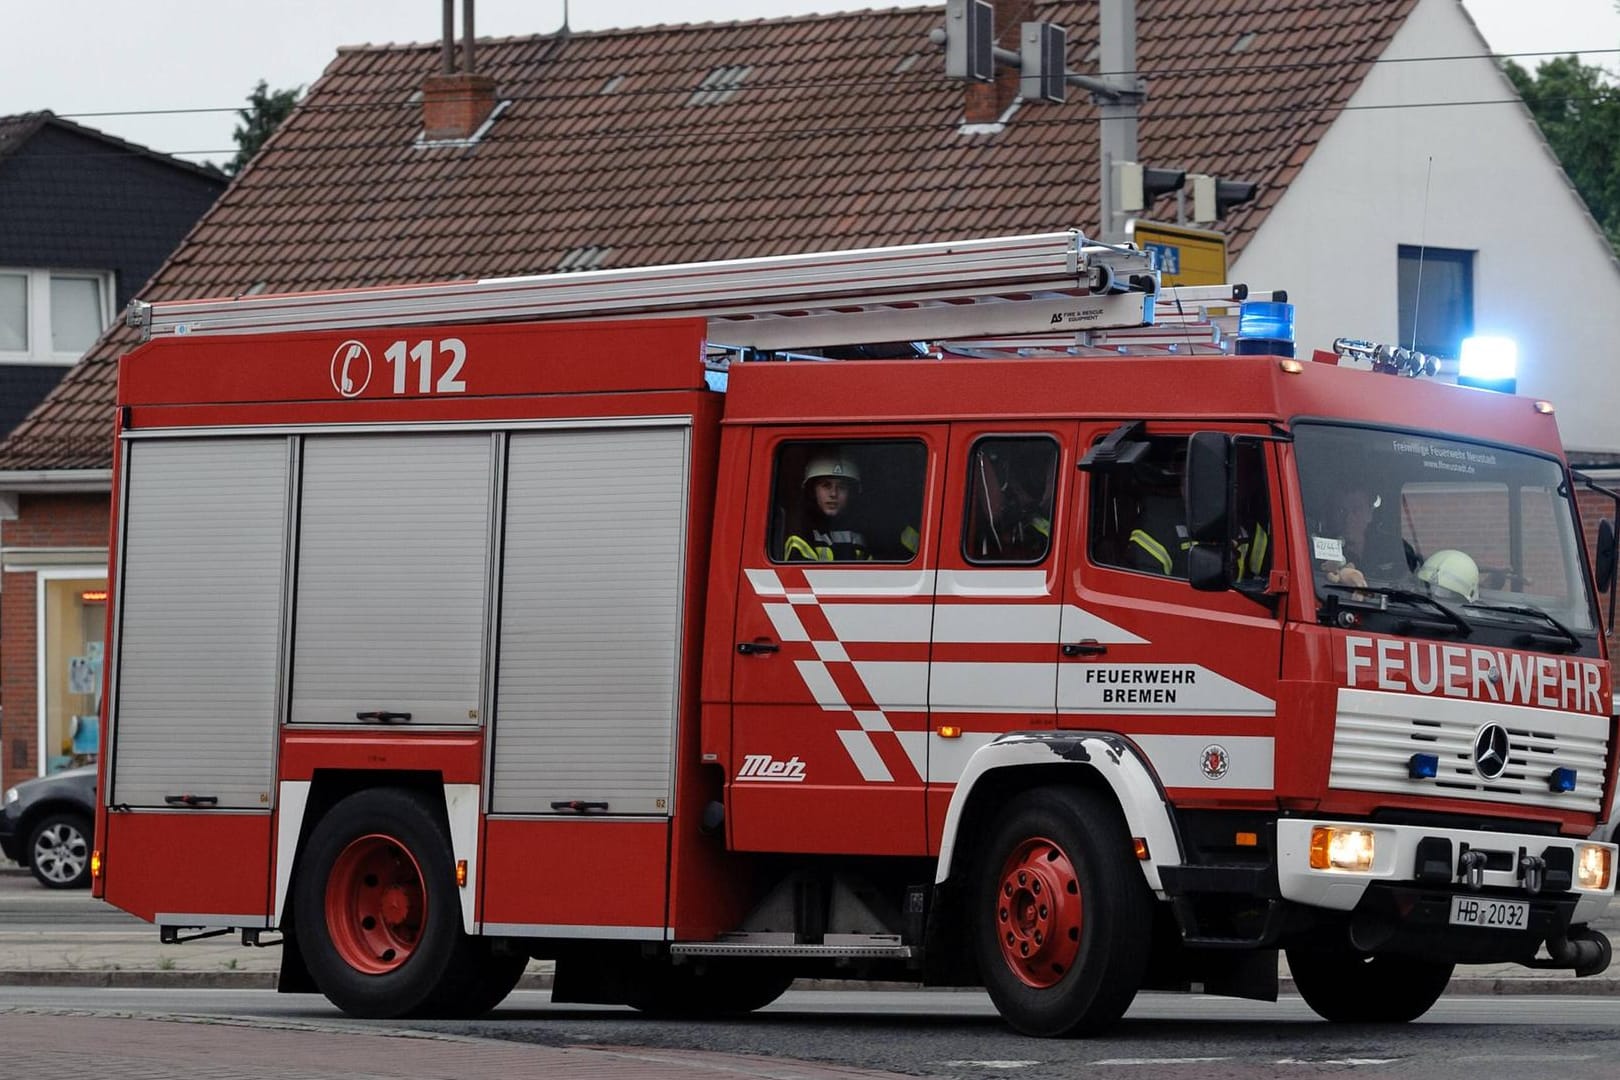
(188, 799)
(1088, 647)
(755, 648)
(383, 716)
(580, 806)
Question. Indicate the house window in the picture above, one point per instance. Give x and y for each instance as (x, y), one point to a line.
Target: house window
(51, 316)
(1436, 287)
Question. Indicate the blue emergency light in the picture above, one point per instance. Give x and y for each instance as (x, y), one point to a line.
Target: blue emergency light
(1489, 363)
(1561, 780)
(1423, 766)
(1265, 328)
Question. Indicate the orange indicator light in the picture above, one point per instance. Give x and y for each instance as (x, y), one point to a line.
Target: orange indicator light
(949, 731)
(461, 873)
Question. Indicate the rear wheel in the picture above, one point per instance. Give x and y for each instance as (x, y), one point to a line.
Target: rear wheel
(1062, 914)
(379, 915)
(59, 851)
(1352, 988)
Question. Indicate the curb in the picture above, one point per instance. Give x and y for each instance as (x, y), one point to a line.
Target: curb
(266, 980)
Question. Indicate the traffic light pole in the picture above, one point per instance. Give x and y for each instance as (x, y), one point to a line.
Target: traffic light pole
(1117, 60)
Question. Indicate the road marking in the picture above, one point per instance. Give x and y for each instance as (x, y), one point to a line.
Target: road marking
(1336, 1061)
(989, 1064)
(1160, 1061)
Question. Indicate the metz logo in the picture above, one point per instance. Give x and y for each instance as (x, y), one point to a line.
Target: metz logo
(765, 767)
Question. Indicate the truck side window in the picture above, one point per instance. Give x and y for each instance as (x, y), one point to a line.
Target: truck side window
(847, 501)
(1138, 514)
(1252, 505)
(1009, 500)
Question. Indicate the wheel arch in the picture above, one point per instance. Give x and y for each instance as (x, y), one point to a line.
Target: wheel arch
(1015, 763)
(303, 803)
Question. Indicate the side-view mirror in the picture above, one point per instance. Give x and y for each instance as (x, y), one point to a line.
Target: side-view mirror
(1209, 488)
(1209, 567)
(1605, 555)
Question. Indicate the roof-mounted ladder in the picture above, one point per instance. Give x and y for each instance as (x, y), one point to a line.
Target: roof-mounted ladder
(922, 292)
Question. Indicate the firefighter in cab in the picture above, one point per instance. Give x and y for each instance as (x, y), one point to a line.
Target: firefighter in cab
(831, 484)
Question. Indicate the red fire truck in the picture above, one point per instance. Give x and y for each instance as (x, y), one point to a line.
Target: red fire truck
(967, 614)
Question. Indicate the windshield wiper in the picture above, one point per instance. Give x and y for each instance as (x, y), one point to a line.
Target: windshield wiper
(1452, 615)
(1565, 632)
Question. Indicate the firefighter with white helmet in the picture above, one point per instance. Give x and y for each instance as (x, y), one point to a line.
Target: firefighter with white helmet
(1451, 573)
(831, 482)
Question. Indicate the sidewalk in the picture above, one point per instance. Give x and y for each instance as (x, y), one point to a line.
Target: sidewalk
(134, 957)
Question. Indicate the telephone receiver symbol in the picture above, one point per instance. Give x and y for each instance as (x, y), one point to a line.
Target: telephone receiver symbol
(349, 358)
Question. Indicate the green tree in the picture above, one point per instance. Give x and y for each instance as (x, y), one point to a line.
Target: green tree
(266, 110)
(1578, 110)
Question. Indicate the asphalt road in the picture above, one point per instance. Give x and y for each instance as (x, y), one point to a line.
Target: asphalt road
(26, 905)
(957, 1035)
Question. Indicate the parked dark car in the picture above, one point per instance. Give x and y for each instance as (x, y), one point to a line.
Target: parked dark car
(47, 825)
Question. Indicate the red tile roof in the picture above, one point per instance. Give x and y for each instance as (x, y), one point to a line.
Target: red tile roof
(830, 132)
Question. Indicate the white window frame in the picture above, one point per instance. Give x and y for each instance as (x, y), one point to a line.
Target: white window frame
(38, 295)
(57, 573)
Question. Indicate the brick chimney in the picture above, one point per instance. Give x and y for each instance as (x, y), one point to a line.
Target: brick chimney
(987, 101)
(453, 106)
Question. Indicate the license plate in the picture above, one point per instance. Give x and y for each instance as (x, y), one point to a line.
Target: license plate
(1492, 914)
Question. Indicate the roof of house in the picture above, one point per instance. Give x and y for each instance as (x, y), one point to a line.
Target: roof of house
(16, 130)
(724, 140)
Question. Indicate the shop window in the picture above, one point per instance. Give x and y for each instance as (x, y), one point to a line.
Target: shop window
(75, 620)
(1009, 500)
(847, 501)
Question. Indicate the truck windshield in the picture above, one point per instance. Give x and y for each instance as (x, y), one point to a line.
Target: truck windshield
(1423, 534)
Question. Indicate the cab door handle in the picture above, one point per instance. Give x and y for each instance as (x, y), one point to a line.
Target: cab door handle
(1088, 647)
(752, 648)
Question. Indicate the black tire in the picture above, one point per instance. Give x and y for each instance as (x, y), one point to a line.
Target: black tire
(1070, 966)
(1348, 987)
(705, 990)
(488, 975)
(59, 850)
(363, 975)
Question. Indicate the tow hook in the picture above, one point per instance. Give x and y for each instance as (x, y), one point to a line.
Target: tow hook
(1472, 867)
(1532, 871)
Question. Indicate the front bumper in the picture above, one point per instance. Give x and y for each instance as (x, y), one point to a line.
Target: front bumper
(1396, 869)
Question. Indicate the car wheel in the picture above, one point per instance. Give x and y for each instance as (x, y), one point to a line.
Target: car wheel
(59, 850)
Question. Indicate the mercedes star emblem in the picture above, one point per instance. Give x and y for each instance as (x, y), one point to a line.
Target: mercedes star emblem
(1491, 751)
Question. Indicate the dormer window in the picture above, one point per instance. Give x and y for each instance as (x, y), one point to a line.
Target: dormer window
(51, 316)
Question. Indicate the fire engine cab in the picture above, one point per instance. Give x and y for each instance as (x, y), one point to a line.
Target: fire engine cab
(975, 613)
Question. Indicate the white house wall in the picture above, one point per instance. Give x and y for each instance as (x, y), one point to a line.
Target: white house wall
(1543, 273)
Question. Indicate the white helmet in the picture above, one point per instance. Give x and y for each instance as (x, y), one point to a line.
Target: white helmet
(829, 465)
(1453, 571)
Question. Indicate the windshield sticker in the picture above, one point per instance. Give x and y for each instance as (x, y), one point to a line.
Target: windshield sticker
(1454, 459)
(1328, 548)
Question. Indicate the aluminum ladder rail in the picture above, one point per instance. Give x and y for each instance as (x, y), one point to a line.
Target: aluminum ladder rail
(1001, 285)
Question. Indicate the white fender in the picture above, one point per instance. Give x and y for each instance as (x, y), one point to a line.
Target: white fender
(1112, 758)
(460, 809)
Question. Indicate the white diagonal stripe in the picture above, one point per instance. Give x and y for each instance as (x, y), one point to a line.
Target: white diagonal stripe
(864, 582)
(859, 746)
(904, 623)
(765, 582)
(832, 652)
(822, 688)
(873, 720)
(786, 621)
(895, 686)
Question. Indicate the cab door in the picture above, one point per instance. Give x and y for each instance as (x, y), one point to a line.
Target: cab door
(1189, 677)
(994, 664)
(830, 676)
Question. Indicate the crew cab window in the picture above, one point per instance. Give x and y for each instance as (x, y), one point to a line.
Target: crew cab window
(1138, 513)
(1009, 500)
(847, 501)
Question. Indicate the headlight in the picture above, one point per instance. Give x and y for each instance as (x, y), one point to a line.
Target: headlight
(1592, 869)
(1341, 849)
(11, 796)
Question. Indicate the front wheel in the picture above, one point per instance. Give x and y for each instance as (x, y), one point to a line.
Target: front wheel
(1348, 987)
(59, 851)
(1063, 915)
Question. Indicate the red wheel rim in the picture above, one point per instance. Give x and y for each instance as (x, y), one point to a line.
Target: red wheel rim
(1038, 913)
(376, 904)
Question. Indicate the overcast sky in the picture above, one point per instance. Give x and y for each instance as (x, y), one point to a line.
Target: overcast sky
(170, 74)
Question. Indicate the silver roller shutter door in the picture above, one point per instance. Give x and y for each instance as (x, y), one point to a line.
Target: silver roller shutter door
(203, 550)
(590, 620)
(392, 567)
